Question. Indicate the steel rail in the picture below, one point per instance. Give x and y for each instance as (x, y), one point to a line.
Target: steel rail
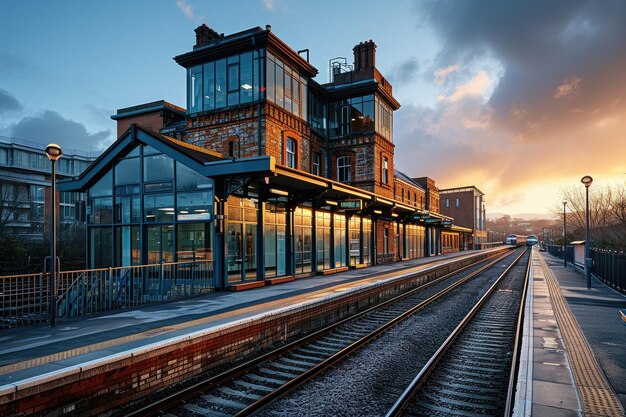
(517, 347)
(407, 395)
(158, 407)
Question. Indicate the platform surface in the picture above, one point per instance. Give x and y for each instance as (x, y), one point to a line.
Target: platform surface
(28, 352)
(573, 360)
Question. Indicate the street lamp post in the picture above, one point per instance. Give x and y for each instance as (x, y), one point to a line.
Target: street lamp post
(564, 236)
(587, 180)
(54, 152)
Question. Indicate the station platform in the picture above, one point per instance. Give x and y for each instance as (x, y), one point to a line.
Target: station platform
(573, 359)
(30, 352)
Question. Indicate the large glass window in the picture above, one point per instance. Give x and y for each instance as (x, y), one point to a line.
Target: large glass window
(194, 89)
(384, 120)
(343, 169)
(194, 241)
(340, 240)
(303, 239)
(322, 228)
(355, 115)
(100, 247)
(158, 208)
(275, 243)
(226, 82)
(158, 168)
(187, 179)
(128, 209)
(127, 246)
(286, 87)
(103, 187)
(127, 171)
(101, 210)
(194, 206)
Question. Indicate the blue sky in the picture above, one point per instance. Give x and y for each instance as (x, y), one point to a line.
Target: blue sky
(479, 81)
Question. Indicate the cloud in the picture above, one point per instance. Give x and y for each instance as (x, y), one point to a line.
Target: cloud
(569, 88)
(559, 84)
(405, 72)
(8, 102)
(269, 5)
(441, 74)
(187, 10)
(477, 86)
(50, 126)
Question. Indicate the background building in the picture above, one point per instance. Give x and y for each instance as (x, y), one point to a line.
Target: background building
(25, 188)
(467, 206)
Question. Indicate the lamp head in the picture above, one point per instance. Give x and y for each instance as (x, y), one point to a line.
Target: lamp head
(564, 202)
(586, 180)
(53, 151)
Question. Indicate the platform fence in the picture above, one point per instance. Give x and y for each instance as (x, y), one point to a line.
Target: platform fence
(609, 266)
(25, 299)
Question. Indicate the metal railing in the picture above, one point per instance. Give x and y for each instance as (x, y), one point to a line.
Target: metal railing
(608, 266)
(24, 299)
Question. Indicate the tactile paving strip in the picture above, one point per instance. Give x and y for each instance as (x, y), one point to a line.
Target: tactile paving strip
(596, 395)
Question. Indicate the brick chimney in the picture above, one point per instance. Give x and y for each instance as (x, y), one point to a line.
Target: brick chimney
(205, 34)
(364, 55)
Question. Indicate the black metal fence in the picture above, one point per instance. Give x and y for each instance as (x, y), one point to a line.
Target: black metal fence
(609, 266)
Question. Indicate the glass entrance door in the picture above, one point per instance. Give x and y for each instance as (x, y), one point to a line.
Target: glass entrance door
(160, 244)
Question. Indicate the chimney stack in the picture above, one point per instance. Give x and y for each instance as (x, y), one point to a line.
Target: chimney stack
(364, 55)
(205, 34)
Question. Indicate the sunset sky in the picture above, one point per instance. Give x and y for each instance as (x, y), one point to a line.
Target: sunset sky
(517, 98)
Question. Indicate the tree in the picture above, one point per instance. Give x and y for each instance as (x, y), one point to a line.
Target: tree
(14, 204)
(607, 214)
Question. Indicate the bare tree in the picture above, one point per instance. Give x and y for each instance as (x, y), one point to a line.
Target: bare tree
(607, 217)
(13, 199)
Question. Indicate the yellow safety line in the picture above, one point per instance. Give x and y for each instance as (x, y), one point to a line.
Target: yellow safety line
(596, 394)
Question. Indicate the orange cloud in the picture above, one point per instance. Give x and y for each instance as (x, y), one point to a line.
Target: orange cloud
(570, 88)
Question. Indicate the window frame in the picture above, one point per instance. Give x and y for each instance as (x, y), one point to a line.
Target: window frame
(344, 168)
(291, 153)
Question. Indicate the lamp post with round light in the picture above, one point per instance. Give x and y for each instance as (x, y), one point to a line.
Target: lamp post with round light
(564, 236)
(587, 180)
(54, 152)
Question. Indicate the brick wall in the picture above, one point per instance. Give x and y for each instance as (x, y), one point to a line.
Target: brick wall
(101, 385)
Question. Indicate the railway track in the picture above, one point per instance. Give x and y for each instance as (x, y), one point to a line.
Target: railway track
(248, 387)
(473, 372)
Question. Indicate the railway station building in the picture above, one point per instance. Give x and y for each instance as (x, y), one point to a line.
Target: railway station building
(266, 172)
(467, 206)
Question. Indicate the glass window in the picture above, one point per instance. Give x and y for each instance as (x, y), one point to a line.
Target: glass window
(457, 202)
(385, 174)
(158, 168)
(100, 245)
(447, 202)
(127, 209)
(103, 187)
(271, 80)
(101, 210)
(188, 179)
(343, 169)
(194, 206)
(127, 171)
(195, 89)
(209, 86)
(246, 71)
(317, 164)
(194, 241)
(220, 83)
(233, 84)
(291, 153)
(158, 208)
(280, 85)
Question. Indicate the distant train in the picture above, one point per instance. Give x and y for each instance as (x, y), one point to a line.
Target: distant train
(531, 240)
(513, 239)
